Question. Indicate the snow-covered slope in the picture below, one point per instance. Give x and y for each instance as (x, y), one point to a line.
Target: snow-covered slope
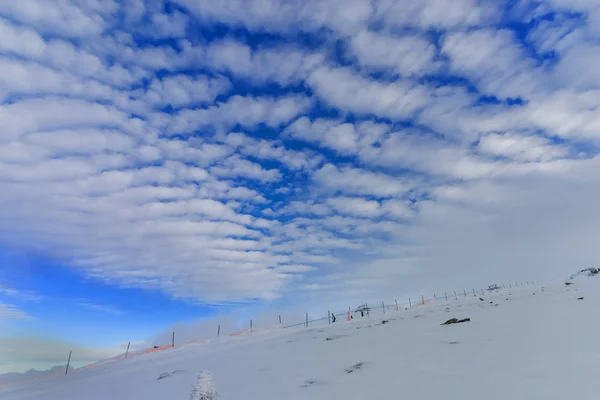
(525, 343)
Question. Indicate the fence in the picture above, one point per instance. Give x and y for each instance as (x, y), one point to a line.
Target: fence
(307, 322)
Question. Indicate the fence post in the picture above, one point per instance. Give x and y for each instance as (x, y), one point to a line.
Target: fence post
(455, 295)
(280, 320)
(474, 293)
(68, 362)
(329, 316)
(251, 325)
(127, 352)
(307, 320)
(368, 312)
(173, 341)
(422, 300)
(446, 294)
(482, 292)
(383, 306)
(510, 285)
(465, 290)
(396, 300)
(409, 303)
(219, 331)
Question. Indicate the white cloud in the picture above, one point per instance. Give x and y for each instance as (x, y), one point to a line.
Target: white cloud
(344, 89)
(54, 16)
(270, 150)
(235, 166)
(355, 206)
(282, 65)
(32, 79)
(246, 111)
(8, 312)
(358, 182)
(404, 55)
(62, 55)
(441, 14)
(331, 134)
(495, 62)
(182, 90)
(34, 115)
(275, 15)
(521, 148)
(171, 25)
(100, 307)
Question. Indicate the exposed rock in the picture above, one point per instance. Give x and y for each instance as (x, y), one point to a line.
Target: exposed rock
(456, 321)
(580, 298)
(168, 374)
(353, 368)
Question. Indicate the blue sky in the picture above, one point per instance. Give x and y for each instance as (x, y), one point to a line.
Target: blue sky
(163, 161)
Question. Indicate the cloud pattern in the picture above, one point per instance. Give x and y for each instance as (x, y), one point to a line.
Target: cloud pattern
(232, 151)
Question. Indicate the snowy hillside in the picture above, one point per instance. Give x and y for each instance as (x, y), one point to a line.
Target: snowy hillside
(524, 343)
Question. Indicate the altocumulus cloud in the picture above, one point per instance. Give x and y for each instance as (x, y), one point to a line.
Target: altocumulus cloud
(342, 155)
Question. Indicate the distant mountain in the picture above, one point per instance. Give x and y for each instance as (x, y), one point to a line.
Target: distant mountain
(32, 374)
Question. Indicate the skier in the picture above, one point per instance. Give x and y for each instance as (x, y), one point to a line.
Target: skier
(332, 317)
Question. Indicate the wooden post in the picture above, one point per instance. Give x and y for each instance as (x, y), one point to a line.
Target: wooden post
(127, 352)
(465, 292)
(307, 320)
(435, 298)
(368, 312)
(455, 295)
(383, 306)
(396, 300)
(422, 300)
(329, 316)
(250, 325)
(474, 293)
(482, 292)
(173, 341)
(68, 362)
(280, 320)
(446, 294)
(409, 302)
(219, 331)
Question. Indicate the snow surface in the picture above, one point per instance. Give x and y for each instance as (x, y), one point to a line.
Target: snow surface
(528, 343)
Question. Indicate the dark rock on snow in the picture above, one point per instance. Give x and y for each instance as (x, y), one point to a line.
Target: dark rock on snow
(353, 368)
(456, 321)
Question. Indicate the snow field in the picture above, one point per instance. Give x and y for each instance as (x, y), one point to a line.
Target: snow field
(523, 343)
